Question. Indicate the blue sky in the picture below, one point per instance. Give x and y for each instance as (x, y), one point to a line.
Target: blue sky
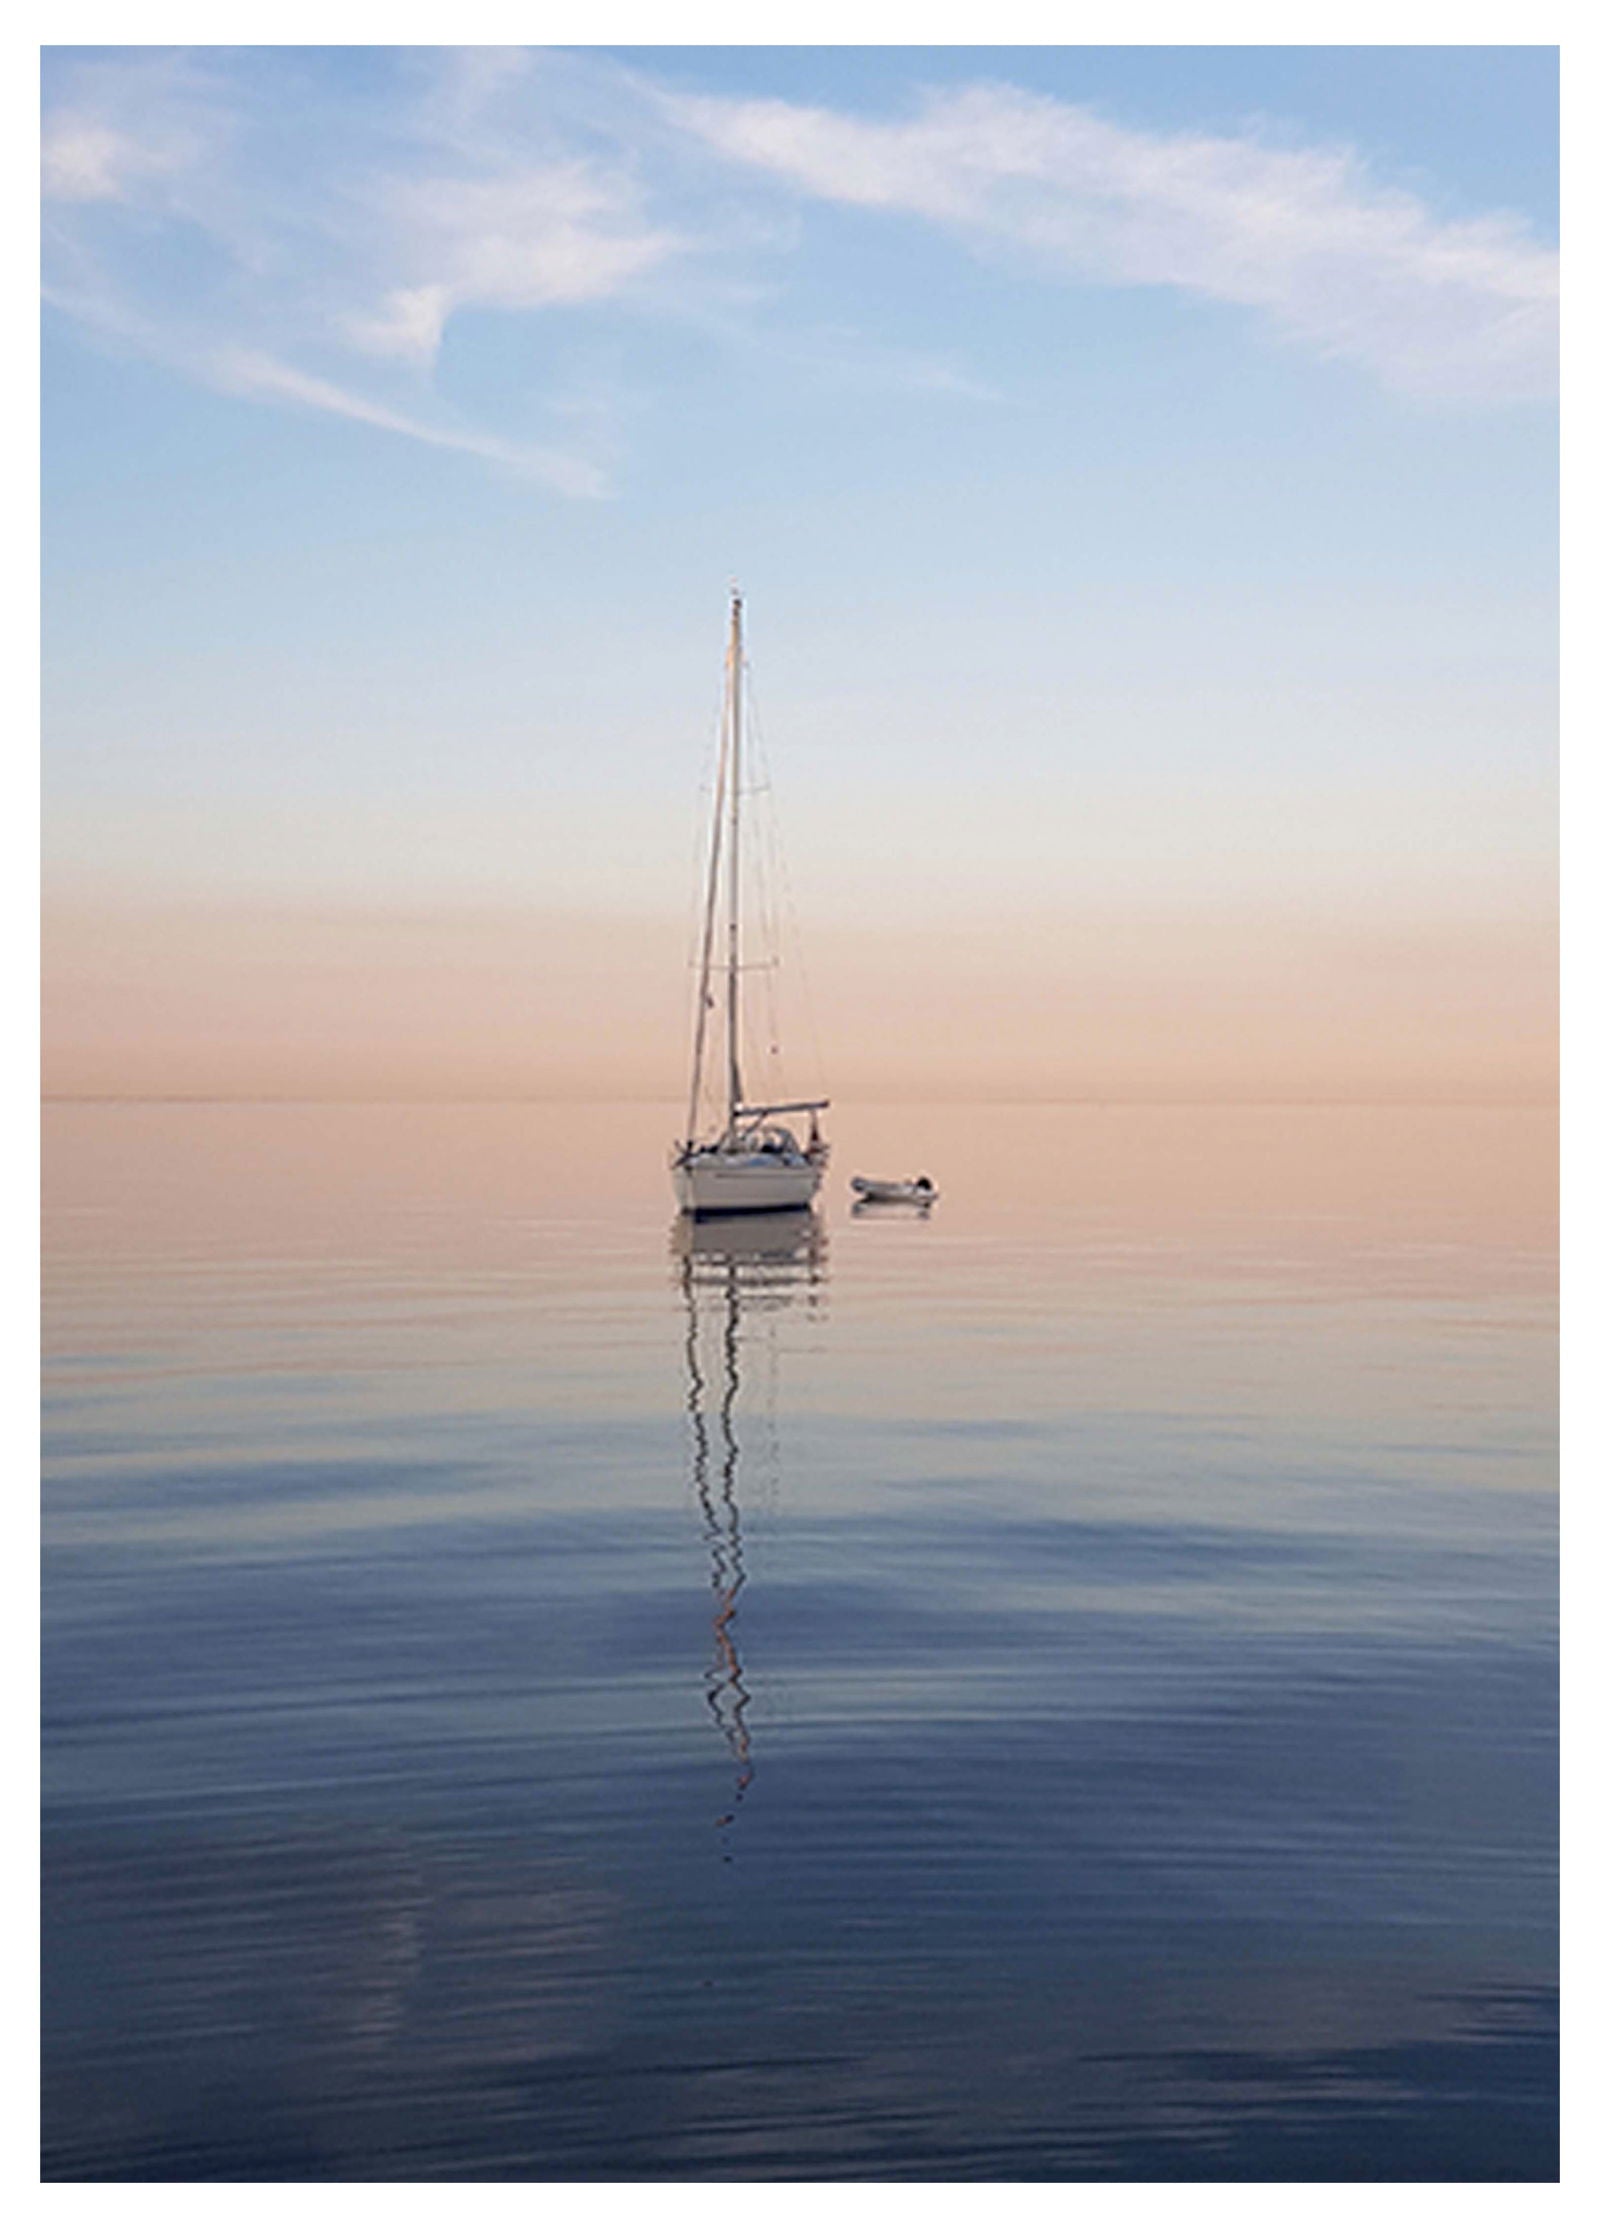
(1140, 462)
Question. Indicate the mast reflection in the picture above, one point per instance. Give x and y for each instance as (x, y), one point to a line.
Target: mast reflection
(731, 1269)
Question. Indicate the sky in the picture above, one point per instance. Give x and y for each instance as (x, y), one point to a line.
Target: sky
(1140, 465)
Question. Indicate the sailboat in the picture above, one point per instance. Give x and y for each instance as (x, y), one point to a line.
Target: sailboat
(752, 1163)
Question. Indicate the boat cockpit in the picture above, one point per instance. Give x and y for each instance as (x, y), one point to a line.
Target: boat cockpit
(769, 1139)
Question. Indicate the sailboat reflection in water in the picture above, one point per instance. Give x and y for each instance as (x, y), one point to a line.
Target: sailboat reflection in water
(736, 1274)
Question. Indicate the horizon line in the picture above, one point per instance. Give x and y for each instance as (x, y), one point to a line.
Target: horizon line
(611, 1098)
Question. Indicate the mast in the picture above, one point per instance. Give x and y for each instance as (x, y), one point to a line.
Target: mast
(723, 879)
(735, 681)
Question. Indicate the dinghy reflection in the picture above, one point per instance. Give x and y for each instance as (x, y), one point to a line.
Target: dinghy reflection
(736, 1274)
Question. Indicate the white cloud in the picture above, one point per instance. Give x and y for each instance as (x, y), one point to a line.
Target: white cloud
(87, 159)
(243, 372)
(1335, 261)
(123, 133)
(409, 321)
(525, 236)
(315, 256)
(248, 219)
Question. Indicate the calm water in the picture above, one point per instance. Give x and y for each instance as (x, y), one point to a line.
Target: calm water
(1063, 1687)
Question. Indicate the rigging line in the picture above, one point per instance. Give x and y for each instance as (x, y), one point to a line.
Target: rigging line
(790, 912)
(705, 823)
(761, 1049)
(699, 846)
(703, 997)
(736, 664)
(768, 879)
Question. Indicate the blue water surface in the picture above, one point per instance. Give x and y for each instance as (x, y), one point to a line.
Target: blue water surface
(1061, 1687)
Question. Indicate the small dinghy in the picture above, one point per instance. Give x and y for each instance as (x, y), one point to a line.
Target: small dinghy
(917, 1191)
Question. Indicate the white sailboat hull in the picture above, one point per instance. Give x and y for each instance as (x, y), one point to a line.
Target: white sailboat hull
(743, 1183)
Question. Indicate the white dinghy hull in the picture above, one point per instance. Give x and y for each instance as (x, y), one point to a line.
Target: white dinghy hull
(882, 1191)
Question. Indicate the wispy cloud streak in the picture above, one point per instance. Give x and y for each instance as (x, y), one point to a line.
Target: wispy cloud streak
(1334, 260)
(244, 372)
(312, 254)
(265, 229)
